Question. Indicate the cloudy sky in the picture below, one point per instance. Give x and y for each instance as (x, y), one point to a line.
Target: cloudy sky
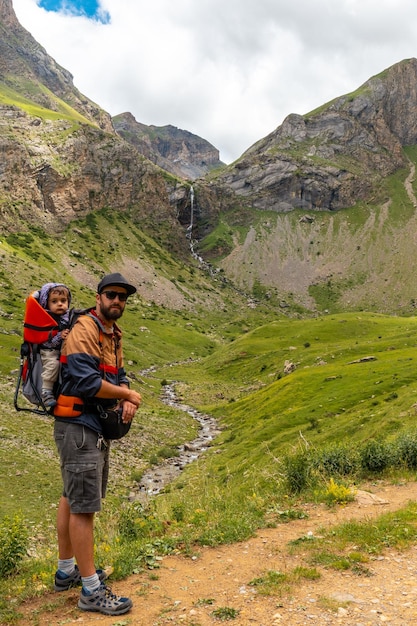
(229, 71)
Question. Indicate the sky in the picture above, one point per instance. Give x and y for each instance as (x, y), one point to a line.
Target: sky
(229, 71)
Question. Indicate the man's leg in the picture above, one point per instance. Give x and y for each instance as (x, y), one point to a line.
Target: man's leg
(81, 532)
(65, 549)
(75, 530)
(76, 537)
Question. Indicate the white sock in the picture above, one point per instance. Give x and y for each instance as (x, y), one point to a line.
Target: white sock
(91, 583)
(66, 566)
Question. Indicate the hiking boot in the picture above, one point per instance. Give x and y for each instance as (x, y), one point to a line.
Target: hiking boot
(104, 601)
(48, 398)
(63, 582)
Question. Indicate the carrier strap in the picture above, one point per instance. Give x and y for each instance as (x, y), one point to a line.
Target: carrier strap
(40, 328)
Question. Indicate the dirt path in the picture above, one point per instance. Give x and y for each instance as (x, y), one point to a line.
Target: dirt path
(408, 183)
(179, 591)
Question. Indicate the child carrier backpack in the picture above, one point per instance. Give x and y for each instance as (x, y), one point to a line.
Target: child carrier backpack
(38, 327)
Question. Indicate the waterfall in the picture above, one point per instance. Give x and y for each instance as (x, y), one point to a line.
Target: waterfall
(190, 227)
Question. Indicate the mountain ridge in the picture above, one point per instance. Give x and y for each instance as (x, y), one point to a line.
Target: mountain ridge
(263, 222)
(25, 65)
(177, 151)
(335, 155)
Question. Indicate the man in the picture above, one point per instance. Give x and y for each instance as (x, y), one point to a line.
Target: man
(93, 376)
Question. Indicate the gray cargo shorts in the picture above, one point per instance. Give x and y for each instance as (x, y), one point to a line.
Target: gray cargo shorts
(84, 466)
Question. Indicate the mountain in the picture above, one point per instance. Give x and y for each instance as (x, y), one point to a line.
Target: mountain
(317, 216)
(27, 69)
(320, 215)
(336, 155)
(62, 156)
(177, 151)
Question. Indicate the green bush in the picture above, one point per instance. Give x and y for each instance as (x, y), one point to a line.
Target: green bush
(298, 472)
(303, 470)
(406, 450)
(14, 539)
(338, 461)
(136, 523)
(376, 456)
(130, 521)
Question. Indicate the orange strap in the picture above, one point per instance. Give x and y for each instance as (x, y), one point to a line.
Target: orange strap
(68, 406)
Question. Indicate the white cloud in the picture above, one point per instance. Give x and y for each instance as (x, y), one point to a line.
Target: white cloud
(228, 71)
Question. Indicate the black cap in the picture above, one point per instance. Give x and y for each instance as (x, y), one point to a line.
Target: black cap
(116, 280)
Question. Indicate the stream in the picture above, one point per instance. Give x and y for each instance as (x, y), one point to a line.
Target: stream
(156, 478)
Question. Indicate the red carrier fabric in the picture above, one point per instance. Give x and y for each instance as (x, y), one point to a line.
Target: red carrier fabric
(38, 325)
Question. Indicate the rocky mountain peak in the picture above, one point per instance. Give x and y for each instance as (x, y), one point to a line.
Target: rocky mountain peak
(177, 151)
(7, 14)
(26, 67)
(332, 157)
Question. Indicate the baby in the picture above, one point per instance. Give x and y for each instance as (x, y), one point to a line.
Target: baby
(56, 299)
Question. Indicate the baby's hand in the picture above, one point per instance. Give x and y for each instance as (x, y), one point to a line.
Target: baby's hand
(65, 333)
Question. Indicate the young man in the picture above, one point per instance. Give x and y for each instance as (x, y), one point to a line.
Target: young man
(92, 374)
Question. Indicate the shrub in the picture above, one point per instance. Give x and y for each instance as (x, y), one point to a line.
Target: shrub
(337, 494)
(14, 540)
(137, 523)
(406, 448)
(376, 456)
(338, 460)
(297, 472)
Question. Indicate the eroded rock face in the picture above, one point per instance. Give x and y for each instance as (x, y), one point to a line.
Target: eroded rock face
(331, 158)
(48, 182)
(177, 151)
(54, 169)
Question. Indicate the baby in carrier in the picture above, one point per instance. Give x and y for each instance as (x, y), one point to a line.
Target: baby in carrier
(55, 298)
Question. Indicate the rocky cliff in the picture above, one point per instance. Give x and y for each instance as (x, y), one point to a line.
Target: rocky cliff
(336, 155)
(26, 67)
(48, 182)
(61, 155)
(177, 151)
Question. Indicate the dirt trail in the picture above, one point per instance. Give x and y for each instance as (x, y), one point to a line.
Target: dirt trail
(175, 593)
(408, 183)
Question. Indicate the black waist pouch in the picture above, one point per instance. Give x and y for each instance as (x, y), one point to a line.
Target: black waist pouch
(112, 424)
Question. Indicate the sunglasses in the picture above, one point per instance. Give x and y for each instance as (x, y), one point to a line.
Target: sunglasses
(112, 295)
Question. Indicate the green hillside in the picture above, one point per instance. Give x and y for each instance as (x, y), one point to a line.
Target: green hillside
(14, 98)
(350, 384)
(360, 258)
(354, 380)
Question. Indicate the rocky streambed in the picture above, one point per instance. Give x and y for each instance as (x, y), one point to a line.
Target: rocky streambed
(156, 478)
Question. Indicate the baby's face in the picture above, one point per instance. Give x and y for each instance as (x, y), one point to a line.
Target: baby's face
(58, 303)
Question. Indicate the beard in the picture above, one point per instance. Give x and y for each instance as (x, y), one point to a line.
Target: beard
(111, 312)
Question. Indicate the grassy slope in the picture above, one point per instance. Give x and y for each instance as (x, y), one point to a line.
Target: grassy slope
(334, 396)
(238, 353)
(355, 259)
(238, 356)
(9, 96)
(154, 335)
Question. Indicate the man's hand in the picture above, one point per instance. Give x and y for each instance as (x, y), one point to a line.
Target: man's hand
(130, 406)
(122, 393)
(134, 397)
